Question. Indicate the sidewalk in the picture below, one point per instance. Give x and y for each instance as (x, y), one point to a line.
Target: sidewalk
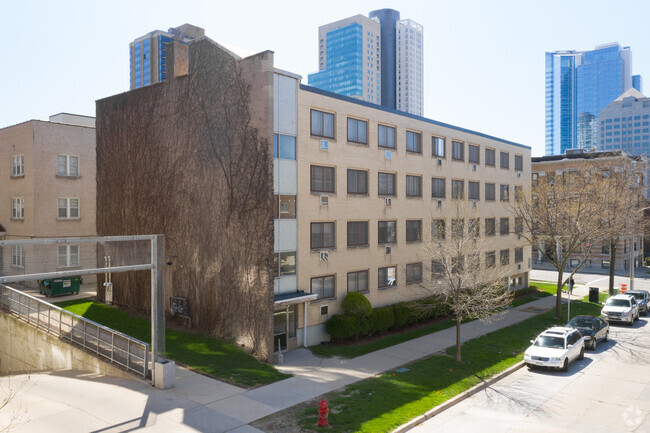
(62, 402)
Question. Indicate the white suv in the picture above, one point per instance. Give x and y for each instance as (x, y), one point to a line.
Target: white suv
(621, 308)
(556, 347)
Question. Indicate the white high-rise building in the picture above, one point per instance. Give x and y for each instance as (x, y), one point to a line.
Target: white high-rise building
(409, 67)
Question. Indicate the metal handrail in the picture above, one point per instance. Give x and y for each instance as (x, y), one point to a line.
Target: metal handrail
(105, 342)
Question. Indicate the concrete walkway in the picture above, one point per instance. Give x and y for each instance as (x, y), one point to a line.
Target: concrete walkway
(75, 401)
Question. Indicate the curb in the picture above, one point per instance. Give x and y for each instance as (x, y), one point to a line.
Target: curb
(455, 400)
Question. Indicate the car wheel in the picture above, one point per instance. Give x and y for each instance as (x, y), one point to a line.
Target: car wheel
(594, 343)
(530, 366)
(582, 353)
(565, 366)
(631, 321)
(606, 336)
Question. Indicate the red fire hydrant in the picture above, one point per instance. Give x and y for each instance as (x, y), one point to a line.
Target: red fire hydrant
(322, 414)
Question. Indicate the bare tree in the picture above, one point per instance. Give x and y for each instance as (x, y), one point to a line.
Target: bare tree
(464, 272)
(561, 215)
(8, 394)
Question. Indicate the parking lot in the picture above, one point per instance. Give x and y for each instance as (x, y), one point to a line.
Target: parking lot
(608, 391)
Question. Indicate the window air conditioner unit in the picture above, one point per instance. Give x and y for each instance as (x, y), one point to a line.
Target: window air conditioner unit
(519, 266)
(439, 161)
(388, 154)
(439, 203)
(324, 145)
(474, 204)
(519, 174)
(389, 201)
(388, 249)
(324, 256)
(324, 200)
(474, 167)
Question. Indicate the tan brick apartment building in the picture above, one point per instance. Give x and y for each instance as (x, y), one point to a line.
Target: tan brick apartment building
(581, 161)
(48, 178)
(356, 188)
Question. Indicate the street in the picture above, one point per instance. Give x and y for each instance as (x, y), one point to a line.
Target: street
(609, 391)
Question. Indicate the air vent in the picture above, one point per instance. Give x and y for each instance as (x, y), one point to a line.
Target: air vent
(388, 201)
(388, 249)
(324, 200)
(324, 145)
(324, 310)
(324, 256)
(439, 203)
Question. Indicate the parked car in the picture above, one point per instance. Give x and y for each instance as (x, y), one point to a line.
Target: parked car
(641, 299)
(556, 347)
(620, 308)
(592, 328)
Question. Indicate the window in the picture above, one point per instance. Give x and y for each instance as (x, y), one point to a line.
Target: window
(605, 249)
(324, 287)
(490, 226)
(68, 208)
(458, 151)
(505, 159)
(18, 166)
(604, 264)
(474, 227)
(438, 229)
(386, 184)
(284, 263)
(438, 147)
(437, 187)
(519, 192)
(323, 179)
(519, 255)
(322, 235)
(489, 157)
(457, 228)
(413, 186)
(68, 256)
(413, 142)
(413, 230)
(357, 182)
(505, 226)
(322, 124)
(473, 155)
(357, 233)
(473, 190)
(387, 233)
(284, 206)
(535, 179)
(17, 208)
(18, 256)
(519, 225)
(505, 257)
(357, 131)
(387, 277)
(457, 189)
(358, 281)
(386, 136)
(489, 191)
(519, 162)
(413, 273)
(284, 146)
(504, 193)
(490, 259)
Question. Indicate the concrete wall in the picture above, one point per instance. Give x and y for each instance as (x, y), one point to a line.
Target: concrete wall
(23, 348)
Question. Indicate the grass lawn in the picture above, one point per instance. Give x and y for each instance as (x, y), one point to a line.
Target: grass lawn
(550, 288)
(200, 352)
(383, 403)
(602, 297)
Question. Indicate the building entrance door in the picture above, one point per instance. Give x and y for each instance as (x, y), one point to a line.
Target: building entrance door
(280, 330)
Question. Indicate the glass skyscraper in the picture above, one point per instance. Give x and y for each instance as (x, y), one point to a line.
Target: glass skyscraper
(578, 85)
(377, 59)
(148, 53)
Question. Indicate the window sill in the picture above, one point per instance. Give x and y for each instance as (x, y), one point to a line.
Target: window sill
(322, 193)
(322, 137)
(387, 288)
(411, 152)
(382, 148)
(412, 283)
(356, 247)
(386, 195)
(457, 160)
(354, 194)
(322, 300)
(387, 244)
(358, 143)
(18, 219)
(63, 176)
(439, 157)
(318, 250)
(414, 242)
(414, 197)
(69, 219)
(18, 176)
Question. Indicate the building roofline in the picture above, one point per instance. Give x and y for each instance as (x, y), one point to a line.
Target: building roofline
(73, 114)
(409, 115)
(47, 121)
(287, 73)
(585, 156)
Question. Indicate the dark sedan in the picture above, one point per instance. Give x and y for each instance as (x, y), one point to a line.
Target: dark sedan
(592, 328)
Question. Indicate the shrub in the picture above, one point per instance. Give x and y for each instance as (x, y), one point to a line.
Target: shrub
(381, 319)
(647, 261)
(355, 304)
(401, 313)
(341, 327)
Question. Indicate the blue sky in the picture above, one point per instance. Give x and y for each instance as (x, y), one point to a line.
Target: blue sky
(484, 60)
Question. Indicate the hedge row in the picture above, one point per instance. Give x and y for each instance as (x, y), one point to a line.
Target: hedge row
(358, 321)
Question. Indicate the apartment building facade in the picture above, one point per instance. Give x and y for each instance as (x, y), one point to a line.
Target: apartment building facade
(49, 174)
(549, 168)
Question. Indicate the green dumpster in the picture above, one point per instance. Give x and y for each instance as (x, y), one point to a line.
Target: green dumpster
(59, 286)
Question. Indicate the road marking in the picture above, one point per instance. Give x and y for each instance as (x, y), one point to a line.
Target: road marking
(595, 281)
